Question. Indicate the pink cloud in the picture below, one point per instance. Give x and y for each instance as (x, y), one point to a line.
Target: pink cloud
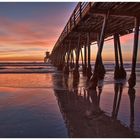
(28, 33)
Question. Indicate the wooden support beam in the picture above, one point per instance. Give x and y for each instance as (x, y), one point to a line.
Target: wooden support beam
(72, 59)
(85, 55)
(78, 52)
(72, 56)
(119, 72)
(135, 47)
(116, 52)
(74, 20)
(98, 40)
(66, 67)
(82, 57)
(119, 49)
(132, 79)
(88, 45)
(80, 10)
(122, 70)
(68, 53)
(76, 72)
(89, 73)
(85, 59)
(65, 53)
(99, 70)
(59, 57)
(113, 13)
(102, 35)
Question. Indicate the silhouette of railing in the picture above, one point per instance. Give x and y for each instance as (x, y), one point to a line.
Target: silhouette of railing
(79, 12)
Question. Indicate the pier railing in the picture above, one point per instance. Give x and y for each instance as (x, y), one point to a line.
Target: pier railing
(79, 12)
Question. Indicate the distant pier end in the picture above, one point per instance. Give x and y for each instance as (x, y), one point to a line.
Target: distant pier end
(46, 58)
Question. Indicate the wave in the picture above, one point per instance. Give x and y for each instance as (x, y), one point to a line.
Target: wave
(40, 67)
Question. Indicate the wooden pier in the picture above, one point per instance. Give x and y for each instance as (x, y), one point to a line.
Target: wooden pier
(94, 22)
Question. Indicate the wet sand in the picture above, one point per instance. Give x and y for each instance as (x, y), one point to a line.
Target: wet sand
(112, 110)
(83, 116)
(84, 124)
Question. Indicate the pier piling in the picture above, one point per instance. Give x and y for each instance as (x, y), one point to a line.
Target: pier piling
(90, 23)
(132, 79)
(85, 59)
(76, 69)
(89, 73)
(119, 72)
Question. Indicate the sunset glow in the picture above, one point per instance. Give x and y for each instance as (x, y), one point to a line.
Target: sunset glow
(55, 82)
(27, 30)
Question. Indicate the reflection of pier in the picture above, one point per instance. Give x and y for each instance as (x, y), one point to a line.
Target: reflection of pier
(118, 89)
(94, 22)
(131, 93)
(82, 113)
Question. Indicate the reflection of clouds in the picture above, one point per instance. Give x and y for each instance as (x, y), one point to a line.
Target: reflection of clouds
(26, 80)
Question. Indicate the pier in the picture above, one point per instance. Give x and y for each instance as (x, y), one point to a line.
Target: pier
(83, 84)
(93, 23)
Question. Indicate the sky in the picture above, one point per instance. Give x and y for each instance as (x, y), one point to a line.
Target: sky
(29, 29)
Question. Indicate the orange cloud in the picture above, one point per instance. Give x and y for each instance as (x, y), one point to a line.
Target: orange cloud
(15, 37)
(27, 32)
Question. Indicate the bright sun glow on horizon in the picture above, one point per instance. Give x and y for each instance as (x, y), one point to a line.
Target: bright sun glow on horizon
(28, 30)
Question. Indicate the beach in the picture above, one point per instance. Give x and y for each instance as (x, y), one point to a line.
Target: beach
(39, 101)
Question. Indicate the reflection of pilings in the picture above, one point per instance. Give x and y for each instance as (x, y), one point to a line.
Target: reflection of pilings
(132, 80)
(100, 88)
(131, 93)
(117, 99)
(92, 94)
(82, 116)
